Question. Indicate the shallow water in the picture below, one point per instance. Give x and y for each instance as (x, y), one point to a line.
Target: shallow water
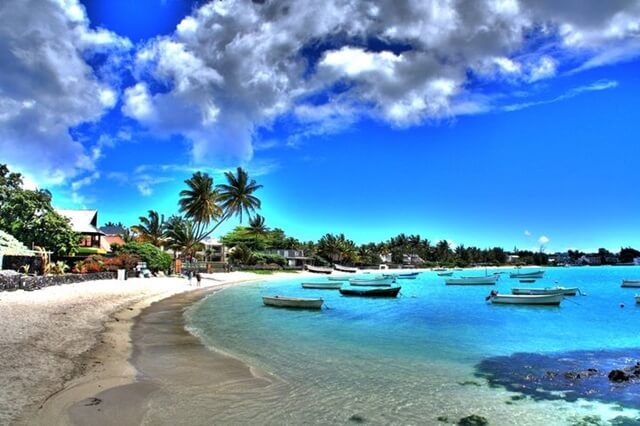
(413, 359)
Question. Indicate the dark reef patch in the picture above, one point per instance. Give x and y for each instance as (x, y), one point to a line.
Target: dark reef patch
(568, 375)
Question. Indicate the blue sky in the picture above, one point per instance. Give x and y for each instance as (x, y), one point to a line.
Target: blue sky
(506, 123)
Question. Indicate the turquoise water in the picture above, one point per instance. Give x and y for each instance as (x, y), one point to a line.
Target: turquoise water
(414, 358)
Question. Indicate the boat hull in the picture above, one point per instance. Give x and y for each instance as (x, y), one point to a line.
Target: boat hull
(370, 285)
(319, 269)
(566, 291)
(322, 286)
(521, 299)
(491, 280)
(372, 292)
(631, 283)
(345, 269)
(382, 281)
(537, 274)
(445, 274)
(293, 302)
(338, 278)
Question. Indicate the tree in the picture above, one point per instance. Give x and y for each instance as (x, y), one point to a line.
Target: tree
(30, 218)
(181, 236)
(236, 196)
(151, 229)
(156, 259)
(337, 248)
(257, 226)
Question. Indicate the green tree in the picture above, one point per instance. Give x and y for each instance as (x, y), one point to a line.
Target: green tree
(30, 218)
(236, 196)
(151, 228)
(181, 236)
(257, 225)
(156, 259)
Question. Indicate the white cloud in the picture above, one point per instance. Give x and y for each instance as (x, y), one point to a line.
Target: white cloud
(543, 240)
(527, 233)
(46, 87)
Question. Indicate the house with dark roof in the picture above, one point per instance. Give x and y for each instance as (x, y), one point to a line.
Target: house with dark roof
(85, 223)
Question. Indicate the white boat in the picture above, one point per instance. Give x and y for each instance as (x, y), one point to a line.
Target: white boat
(630, 283)
(488, 280)
(408, 274)
(445, 274)
(293, 302)
(374, 281)
(322, 286)
(339, 278)
(535, 274)
(319, 269)
(438, 269)
(527, 299)
(457, 269)
(566, 291)
(345, 268)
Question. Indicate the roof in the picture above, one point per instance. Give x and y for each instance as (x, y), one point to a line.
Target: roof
(112, 229)
(82, 221)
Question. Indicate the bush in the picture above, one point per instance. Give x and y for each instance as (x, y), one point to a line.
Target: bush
(156, 259)
(90, 264)
(121, 261)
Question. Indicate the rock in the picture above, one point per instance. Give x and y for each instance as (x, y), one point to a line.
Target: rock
(443, 419)
(573, 375)
(357, 419)
(618, 376)
(473, 420)
(92, 401)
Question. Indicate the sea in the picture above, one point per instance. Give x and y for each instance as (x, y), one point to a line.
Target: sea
(436, 354)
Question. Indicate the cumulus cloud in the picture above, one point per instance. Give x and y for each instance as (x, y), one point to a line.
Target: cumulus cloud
(527, 233)
(235, 66)
(46, 86)
(543, 240)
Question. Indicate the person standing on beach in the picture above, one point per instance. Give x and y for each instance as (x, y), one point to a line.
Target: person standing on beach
(198, 278)
(190, 276)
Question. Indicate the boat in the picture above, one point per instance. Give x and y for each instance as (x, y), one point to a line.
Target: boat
(637, 298)
(372, 284)
(567, 291)
(372, 281)
(457, 269)
(371, 292)
(293, 302)
(527, 299)
(488, 280)
(408, 274)
(349, 269)
(445, 274)
(319, 269)
(411, 277)
(528, 280)
(339, 278)
(535, 274)
(322, 286)
(439, 269)
(630, 283)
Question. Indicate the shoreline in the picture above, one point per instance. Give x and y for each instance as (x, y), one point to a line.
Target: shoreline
(78, 336)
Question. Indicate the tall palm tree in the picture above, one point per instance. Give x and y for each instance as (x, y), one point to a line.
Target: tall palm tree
(200, 201)
(257, 226)
(236, 196)
(151, 228)
(181, 236)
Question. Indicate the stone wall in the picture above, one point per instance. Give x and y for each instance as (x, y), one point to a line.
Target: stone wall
(36, 264)
(30, 282)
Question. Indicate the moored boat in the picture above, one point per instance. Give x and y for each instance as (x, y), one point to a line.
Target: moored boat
(372, 281)
(488, 280)
(445, 274)
(527, 299)
(631, 283)
(408, 274)
(535, 274)
(371, 292)
(319, 269)
(527, 280)
(293, 302)
(566, 291)
(345, 268)
(322, 286)
(339, 278)
(438, 269)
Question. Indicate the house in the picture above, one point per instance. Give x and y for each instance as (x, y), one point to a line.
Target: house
(85, 223)
(293, 257)
(112, 234)
(590, 259)
(214, 250)
(513, 258)
(411, 259)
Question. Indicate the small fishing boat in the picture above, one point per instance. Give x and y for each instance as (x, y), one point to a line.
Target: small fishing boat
(445, 274)
(457, 269)
(293, 302)
(535, 274)
(528, 280)
(339, 278)
(527, 299)
(631, 283)
(322, 286)
(373, 284)
(567, 291)
(372, 281)
(345, 268)
(488, 280)
(412, 277)
(319, 269)
(371, 292)
(408, 274)
(439, 269)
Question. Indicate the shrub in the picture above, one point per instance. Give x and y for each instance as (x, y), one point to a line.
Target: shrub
(121, 261)
(156, 259)
(93, 263)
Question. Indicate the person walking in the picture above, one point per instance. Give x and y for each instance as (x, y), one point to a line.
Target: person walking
(198, 279)
(190, 276)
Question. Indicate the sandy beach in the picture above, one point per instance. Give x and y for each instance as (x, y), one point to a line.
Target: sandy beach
(77, 337)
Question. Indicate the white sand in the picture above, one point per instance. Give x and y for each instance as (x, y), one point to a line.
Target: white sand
(44, 333)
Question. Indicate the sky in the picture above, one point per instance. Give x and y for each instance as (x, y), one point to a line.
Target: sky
(488, 123)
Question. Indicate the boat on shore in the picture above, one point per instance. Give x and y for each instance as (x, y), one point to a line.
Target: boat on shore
(566, 291)
(349, 269)
(319, 269)
(631, 283)
(372, 281)
(445, 274)
(488, 280)
(293, 302)
(371, 292)
(527, 299)
(534, 274)
(322, 286)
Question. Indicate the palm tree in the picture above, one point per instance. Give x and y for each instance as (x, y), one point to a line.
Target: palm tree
(181, 236)
(151, 228)
(236, 197)
(127, 235)
(257, 226)
(200, 201)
